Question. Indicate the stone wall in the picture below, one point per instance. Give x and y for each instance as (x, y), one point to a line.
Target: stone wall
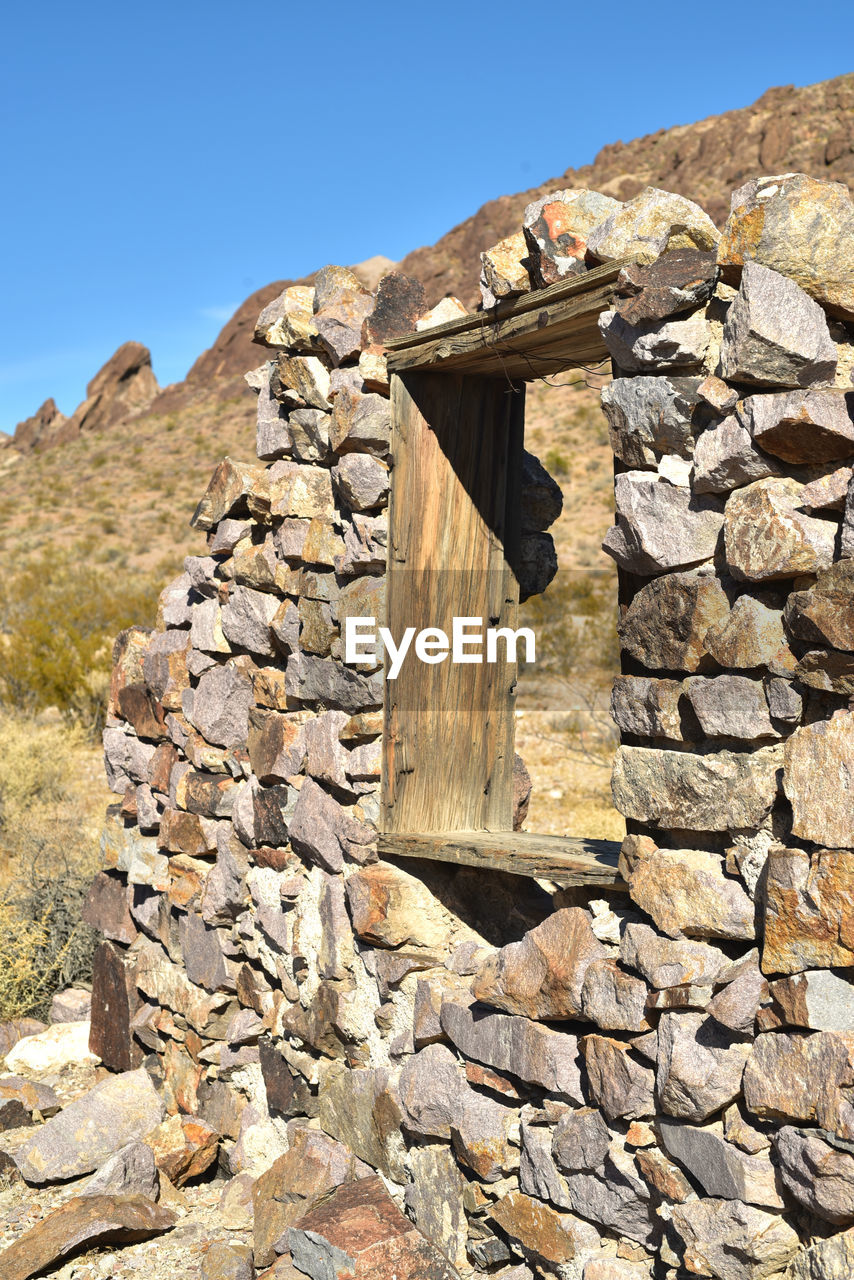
(651, 1084)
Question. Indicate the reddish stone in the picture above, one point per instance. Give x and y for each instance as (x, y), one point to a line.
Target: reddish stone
(106, 908)
(115, 1000)
(142, 711)
(400, 302)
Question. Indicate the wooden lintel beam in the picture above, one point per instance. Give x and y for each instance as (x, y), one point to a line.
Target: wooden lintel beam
(565, 860)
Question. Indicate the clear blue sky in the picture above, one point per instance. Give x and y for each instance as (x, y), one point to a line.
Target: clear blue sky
(161, 161)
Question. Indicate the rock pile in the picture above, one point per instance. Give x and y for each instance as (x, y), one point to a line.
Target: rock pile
(656, 1085)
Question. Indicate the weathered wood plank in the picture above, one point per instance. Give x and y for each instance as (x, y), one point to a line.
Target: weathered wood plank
(565, 860)
(539, 333)
(453, 544)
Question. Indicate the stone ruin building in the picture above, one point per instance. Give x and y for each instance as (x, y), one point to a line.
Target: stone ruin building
(326, 937)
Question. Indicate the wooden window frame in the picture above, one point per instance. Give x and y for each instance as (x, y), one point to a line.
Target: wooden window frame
(457, 395)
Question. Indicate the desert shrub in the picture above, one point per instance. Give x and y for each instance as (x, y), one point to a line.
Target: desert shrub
(58, 618)
(575, 622)
(556, 463)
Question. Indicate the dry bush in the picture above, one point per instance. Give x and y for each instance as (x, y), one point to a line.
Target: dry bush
(57, 622)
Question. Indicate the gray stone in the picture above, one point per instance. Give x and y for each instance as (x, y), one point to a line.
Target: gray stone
(650, 416)
(614, 999)
(323, 831)
(528, 1050)
(365, 545)
(130, 1172)
(715, 792)
(72, 1005)
(309, 430)
(324, 680)
(784, 701)
(768, 536)
(700, 1065)
(432, 1088)
(820, 1177)
(581, 1141)
(116, 1112)
(824, 613)
(796, 1076)
(220, 705)
(362, 1110)
(814, 754)
(818, 999)
(206, 634)
(655, 345)
(661, 525)
(775, 334)
(542, 499)
(725, 458)
(738, 1003)
(802, 426)
(647, 708)
(731, 707)
(828, 492)
(361, 424)
(537, 564)
(721, 1168)
(670, 962)
(666, 624)
(361, 481)
(618, 1083)
(202, 950)
(246, 620)
(608, 1195)
(732, 1240)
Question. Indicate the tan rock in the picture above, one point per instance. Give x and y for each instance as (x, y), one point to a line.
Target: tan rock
(302, 380)
(613, 998)
(502, 272)
(649, 225)
(817, 1174)
(824, 613)
(796, 1076)
(667, 962)
(183, 1147)
(389, 907)
(667, 1179)
(818, 766)
(802, 227)
(732, 1240)
(288, 321)
(544, 1235)
(445, 311)
(81, 1224)
(556, 227)
(686, 892)
(542, 975)
(226, 492)
(808, 910)
(831, 1259)
(666, 623)
(817, 999)
(618, 1083)
(750, 635)
(767, 536)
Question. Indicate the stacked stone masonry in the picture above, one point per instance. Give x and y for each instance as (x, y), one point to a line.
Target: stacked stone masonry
(657, 1084)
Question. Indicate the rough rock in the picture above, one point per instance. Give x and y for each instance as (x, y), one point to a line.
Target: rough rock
(18, 1029)
(339, 313)
(700, 1065)
(313, 1166)
(661, 525)
(731, 707)
(768, 536)
(542, 498)
(358, 1233)
(649, 417)
(29, 1096)
(831, 1259)
(618, 1083)
(802, 426)
(276, 745)
(225, 1261)
(666, 623)
(556, 227)
(647, 708)
(817, 1174)
(400, 303)
(715, 792)
(795, 1076)
(542, 975)
(82, 1223)
(43, 430)
(604, 1192)
(680, 280)
(434, 1199)
(802, 227)
(655, 344)
(114, 1113)
(750, 635)
(51, 1049)
(824, 613)
(226, 493)
(432, 1088)
(733, 1241)
(817, 999)
(323, 831)
(649, 225)
(546, 1238)
(360, 424)
(808, 906)
(301, 381)
(737, 1004)
(667, 962)
(828, 492)
(725, 458)
(287, 321)
(507, 1042)
(389, 907)
(831, 672)
(72, 1005)
(481, 1137)
(183, 1147)
(504, 271)
(614, 999)
(361, 481)
(721, 1168)
(819, 761)
(115, 1000)
(775, 335)
(537, 564)
(130, 1172)
(220, 704)
(361, 1109)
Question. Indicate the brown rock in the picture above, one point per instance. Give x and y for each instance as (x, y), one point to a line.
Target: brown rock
(17, 1029)
(666, 1178)
(767, 536)
(802, 426)
(700, 1065)
(793, 1076)
(358, 1233)
(115, 1000)
(750, 635)
(507, 1042)
(646, 707)
(390, 907)
(614, 999)
(618, 1083)
(677, 281)
(809, 911)
(824, 613)
(686, 892)
(362, 1110)
(79, 1224)
(312, 1167)
(183, 1147)
(125, 385)
(667, 962)
(818, 999)
(542, 975)
(225, 1261)
(106, 909)
(545, 1236)
(400, 303)
(666, 624)
(341, 304)
(817, 1174)
(732, 1240)
(46, 428)
(738, 1003)
(814, 754)
(226, 493)
(504, 270)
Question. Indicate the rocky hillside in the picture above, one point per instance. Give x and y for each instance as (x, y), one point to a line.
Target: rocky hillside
(108, 496)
